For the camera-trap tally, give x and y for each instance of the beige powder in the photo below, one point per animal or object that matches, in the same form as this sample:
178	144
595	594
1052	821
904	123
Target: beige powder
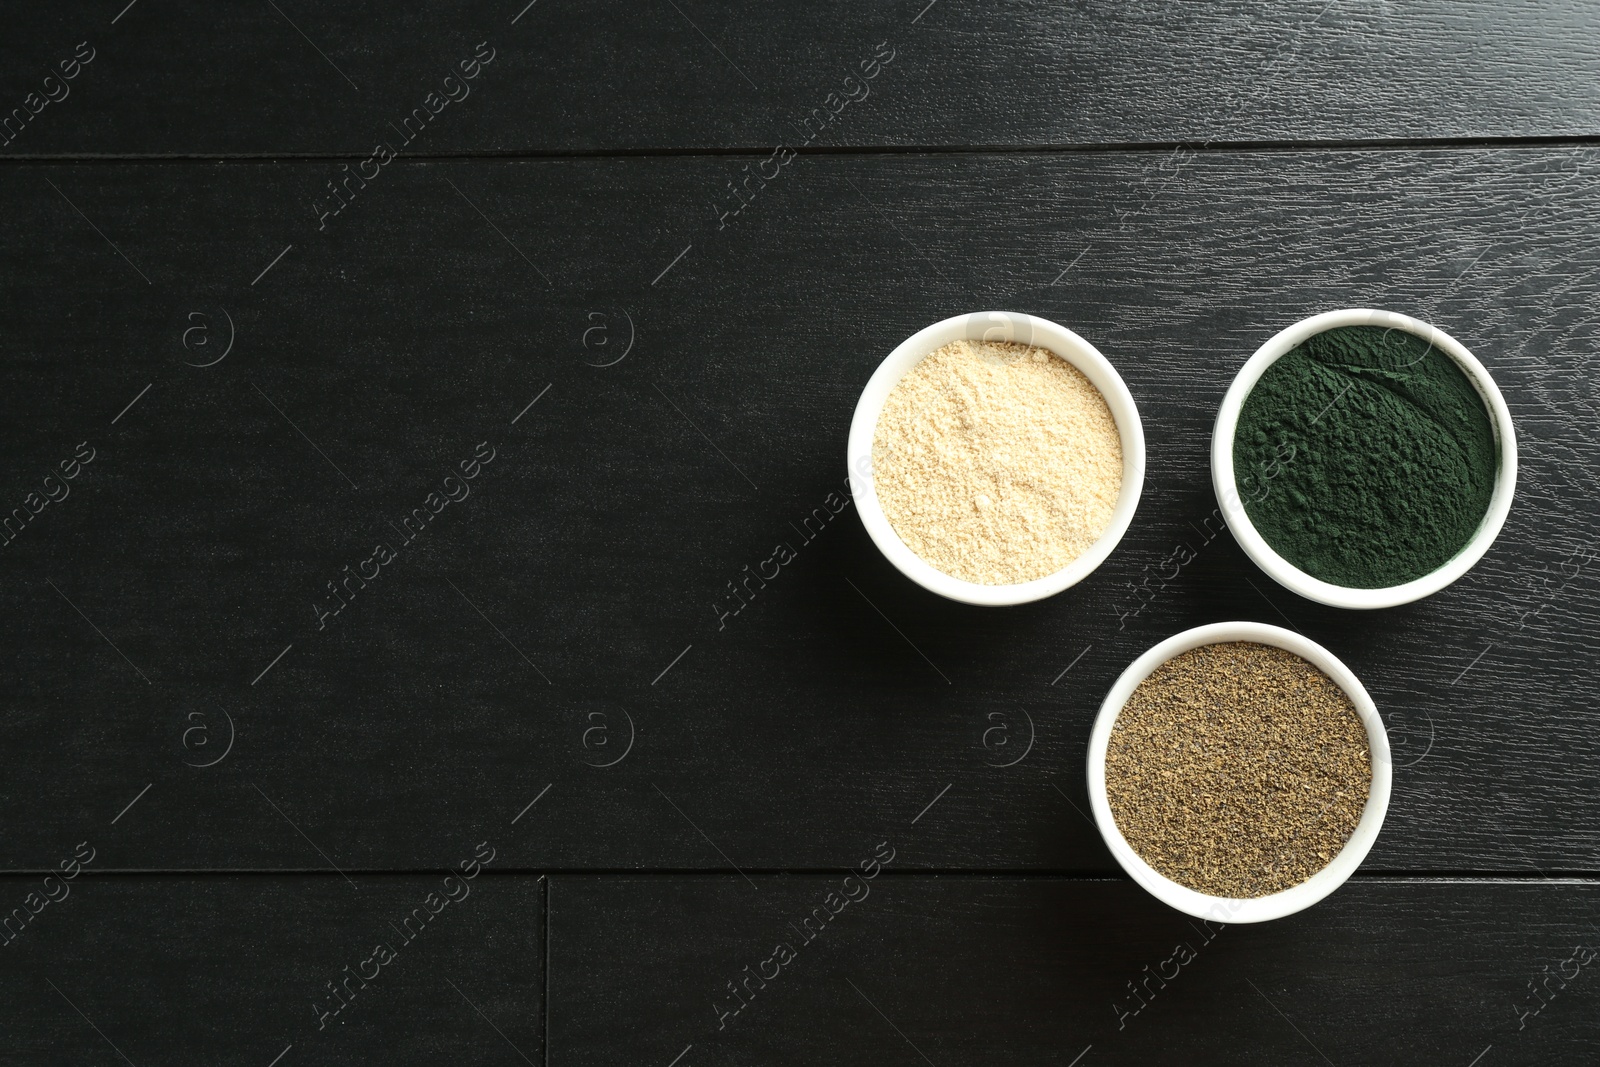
997	462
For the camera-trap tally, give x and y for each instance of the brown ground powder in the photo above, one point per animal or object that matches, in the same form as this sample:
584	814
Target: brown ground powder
1238	769
997	462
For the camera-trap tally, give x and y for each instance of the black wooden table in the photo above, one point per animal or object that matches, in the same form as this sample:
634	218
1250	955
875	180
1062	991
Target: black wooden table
393	398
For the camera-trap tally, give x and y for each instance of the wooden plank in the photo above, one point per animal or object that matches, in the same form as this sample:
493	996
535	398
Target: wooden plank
581	595
237	969
1043	970
186	78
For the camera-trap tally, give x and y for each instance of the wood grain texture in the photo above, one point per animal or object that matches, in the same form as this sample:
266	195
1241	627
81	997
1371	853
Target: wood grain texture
1038	970
354	511
578	586
190	78
173	969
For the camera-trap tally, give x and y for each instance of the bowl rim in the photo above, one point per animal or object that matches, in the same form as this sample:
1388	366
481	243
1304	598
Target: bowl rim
1285	901
1280	569
996	326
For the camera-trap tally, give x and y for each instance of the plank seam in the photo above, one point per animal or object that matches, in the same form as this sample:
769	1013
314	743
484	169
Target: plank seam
712	151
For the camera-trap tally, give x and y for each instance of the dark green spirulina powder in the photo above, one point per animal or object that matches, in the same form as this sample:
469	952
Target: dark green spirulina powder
1365	457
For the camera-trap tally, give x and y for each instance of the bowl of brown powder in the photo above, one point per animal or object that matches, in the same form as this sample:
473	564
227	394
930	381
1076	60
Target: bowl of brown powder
1239	772
996	458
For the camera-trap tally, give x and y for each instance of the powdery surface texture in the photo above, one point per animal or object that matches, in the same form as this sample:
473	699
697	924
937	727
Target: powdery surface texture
997	462
1238	769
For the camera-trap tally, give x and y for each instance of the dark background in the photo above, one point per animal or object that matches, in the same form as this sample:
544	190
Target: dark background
546	668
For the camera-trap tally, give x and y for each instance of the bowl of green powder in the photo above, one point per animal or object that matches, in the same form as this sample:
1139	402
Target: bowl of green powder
1239	772
1364	459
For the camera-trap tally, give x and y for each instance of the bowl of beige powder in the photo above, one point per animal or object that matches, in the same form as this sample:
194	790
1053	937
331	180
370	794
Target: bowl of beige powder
996	458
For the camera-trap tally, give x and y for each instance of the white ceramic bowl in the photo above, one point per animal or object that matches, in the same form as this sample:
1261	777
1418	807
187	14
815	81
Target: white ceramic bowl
994	326
1284	902
1287	574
